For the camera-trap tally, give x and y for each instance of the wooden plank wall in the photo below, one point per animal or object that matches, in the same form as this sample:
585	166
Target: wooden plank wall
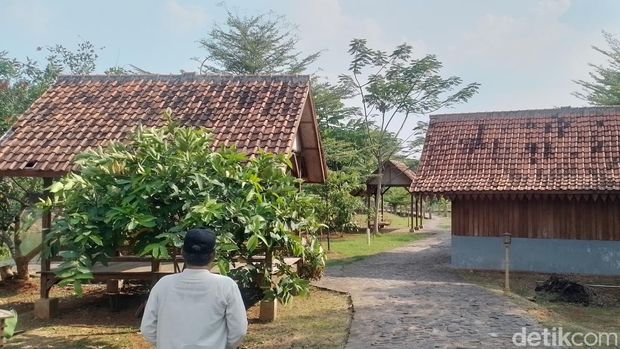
545	218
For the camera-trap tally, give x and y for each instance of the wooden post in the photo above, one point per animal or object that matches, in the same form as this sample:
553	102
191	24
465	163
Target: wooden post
421	213
507	243
44	307
46	223
367	207
411	215
417	213
368	215
268	308
4	315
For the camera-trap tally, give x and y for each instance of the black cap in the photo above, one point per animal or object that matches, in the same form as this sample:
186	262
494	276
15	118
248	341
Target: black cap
198	246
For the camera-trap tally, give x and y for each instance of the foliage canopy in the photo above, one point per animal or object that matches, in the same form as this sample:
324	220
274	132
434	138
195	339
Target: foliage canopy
143	195
393	87
604	87
260	44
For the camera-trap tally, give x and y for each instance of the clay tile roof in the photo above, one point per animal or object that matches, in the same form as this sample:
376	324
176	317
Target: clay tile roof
395	174
404	169
80	112
564	149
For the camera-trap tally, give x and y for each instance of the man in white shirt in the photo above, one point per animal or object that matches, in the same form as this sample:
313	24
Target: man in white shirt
195	309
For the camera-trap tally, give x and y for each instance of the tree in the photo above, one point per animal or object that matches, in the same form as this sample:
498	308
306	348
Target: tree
419	137
16	217
604	87
397	87
342	134
339	205
261	44
21	83
142	195
397	197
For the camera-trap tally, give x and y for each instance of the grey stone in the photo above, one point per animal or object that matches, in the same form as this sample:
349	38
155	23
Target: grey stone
411	298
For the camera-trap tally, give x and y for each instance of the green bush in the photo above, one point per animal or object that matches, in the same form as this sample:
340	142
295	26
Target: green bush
339	205
5	253
143	196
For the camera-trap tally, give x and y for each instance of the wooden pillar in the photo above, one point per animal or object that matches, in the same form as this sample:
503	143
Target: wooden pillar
46	223
411	215
417	213
4	315
421	212
268	309
367	207
44	307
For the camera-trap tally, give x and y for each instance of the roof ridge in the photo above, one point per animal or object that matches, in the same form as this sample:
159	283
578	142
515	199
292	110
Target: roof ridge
291	78
532	113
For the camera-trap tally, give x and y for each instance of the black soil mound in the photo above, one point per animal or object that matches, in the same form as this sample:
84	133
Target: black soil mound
561	289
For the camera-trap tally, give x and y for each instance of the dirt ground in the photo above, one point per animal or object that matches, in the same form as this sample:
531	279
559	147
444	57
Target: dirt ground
603	315
320	321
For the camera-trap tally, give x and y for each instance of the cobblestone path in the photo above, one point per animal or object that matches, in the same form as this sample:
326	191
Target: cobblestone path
410	298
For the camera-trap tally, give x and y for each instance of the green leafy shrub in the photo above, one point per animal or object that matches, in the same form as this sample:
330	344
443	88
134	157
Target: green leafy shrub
339	205
143	195
313	263
5	253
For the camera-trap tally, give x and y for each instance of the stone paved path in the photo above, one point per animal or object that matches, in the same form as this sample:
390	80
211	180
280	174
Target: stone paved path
410	298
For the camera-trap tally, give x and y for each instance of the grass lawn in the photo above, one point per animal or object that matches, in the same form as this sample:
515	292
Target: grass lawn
396	221
573	317
353	247
319	321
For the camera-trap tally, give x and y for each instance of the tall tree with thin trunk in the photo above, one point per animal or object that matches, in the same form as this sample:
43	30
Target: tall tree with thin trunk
261	44
394	87
604	86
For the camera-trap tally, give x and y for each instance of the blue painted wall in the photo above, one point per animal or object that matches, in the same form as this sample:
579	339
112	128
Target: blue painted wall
538	255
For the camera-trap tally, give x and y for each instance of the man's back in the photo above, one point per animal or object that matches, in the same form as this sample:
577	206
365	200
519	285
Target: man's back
194	310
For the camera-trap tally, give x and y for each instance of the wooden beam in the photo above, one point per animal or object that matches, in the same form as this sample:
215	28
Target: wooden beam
411	214
46	223
32	173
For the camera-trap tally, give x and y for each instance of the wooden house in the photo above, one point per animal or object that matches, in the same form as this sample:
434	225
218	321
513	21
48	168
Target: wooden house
273	114
550	178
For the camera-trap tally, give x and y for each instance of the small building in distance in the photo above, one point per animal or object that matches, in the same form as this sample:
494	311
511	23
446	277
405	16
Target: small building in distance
550	178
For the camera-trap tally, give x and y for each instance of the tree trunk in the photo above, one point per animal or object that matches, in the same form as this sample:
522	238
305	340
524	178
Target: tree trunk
21	264
378	195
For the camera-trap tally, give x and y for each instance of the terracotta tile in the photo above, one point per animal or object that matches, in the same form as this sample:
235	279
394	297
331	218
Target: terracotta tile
81	112
530	150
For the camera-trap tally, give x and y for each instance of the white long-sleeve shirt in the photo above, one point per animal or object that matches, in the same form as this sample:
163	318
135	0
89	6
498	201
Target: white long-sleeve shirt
194	309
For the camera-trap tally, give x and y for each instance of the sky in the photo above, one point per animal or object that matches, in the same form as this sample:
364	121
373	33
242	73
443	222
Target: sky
524	53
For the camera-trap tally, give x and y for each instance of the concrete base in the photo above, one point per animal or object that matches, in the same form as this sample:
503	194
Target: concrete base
562	256
45	308
268	311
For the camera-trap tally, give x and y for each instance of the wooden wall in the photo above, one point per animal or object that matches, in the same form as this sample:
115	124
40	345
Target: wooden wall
542	217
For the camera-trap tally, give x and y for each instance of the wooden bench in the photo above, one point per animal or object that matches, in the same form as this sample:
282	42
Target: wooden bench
381	225
4	315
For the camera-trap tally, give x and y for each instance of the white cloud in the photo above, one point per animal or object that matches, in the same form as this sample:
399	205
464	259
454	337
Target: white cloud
184	17
325	25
